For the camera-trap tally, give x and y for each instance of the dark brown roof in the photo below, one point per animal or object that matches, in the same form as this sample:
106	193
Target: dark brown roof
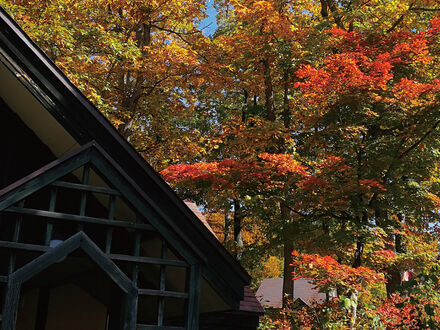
250	302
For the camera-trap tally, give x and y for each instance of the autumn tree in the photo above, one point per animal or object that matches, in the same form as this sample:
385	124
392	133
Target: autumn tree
350	90
316	121
133	60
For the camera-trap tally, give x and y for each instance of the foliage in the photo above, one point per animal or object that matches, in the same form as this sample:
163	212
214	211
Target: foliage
298	125
132	59
415	305
328	275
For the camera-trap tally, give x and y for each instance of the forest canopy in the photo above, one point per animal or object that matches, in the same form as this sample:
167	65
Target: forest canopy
308	132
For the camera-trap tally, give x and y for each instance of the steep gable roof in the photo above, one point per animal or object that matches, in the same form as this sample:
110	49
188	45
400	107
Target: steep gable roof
85	123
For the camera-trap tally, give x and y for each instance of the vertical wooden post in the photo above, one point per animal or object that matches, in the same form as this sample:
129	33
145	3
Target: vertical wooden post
161	301
17	227
11	266
49	225
111	215
15	238
111	207
132	301
136	252
193	303
130	311
85	180
10	309
108	240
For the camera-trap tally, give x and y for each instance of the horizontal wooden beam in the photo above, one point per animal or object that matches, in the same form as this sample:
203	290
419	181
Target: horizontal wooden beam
3	279
157	327
148	260
159	293
24	246
84	187
79	218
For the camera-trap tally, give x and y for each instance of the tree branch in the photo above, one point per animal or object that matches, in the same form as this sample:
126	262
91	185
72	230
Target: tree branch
424	9
407	151
399	20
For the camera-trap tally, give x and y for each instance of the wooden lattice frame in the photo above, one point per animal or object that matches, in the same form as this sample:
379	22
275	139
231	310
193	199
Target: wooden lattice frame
36	266
92	154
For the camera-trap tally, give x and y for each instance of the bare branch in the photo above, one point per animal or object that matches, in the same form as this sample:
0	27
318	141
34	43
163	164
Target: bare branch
399	20
424	136
424	9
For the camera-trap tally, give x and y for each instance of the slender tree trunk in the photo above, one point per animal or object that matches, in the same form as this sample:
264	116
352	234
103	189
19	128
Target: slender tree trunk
132	83
288	287
286	109
393	281
394	277
268	91
354	298
244	114
227	228
331	4
357	260
238	239
362	221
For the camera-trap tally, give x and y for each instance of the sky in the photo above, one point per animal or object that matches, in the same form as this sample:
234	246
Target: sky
209	23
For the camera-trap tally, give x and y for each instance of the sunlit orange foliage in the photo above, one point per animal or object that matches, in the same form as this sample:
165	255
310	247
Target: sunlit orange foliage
328	274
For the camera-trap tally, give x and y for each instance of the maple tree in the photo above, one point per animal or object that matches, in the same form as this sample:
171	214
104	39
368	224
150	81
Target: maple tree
358	301
298	125
132	59
365	106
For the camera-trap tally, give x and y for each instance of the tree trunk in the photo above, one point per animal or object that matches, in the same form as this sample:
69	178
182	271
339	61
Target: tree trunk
362	221
357	262
268	91
286	110
354	298
244	110
227	228
288	248
286	216
393	280
332	5
132	84
238	239
393	276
